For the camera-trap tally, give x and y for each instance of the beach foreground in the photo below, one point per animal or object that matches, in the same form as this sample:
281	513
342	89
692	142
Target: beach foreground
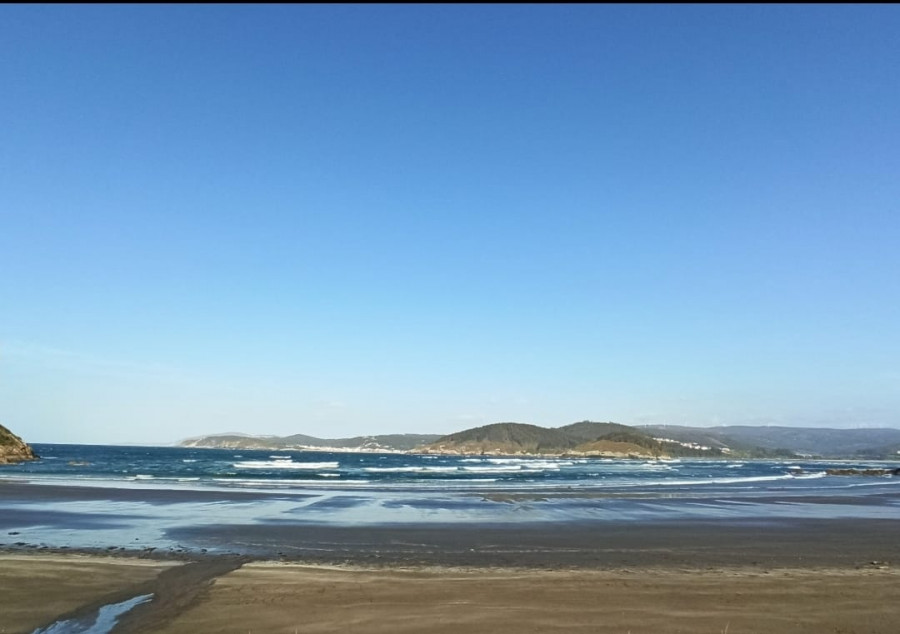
687	552
291	597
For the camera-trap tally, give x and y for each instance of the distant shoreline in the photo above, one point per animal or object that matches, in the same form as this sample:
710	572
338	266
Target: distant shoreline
598	439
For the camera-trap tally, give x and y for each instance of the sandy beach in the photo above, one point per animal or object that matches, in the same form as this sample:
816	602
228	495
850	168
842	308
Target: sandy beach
288	598
38	589
291	597
790	577
217	561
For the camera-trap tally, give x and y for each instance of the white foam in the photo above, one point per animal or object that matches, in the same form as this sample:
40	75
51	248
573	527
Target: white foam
284	464
411	469
548	464
536	463
281	483
505	460
733	480
656	466
494	469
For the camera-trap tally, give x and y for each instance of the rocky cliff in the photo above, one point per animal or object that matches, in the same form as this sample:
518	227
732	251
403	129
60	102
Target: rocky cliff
12	448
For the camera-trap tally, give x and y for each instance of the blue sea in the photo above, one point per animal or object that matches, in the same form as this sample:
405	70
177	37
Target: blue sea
176	467
92	496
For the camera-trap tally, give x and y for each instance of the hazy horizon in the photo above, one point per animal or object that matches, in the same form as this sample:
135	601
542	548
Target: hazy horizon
343	220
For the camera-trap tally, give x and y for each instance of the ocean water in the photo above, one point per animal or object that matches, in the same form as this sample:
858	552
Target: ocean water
180	468
159	497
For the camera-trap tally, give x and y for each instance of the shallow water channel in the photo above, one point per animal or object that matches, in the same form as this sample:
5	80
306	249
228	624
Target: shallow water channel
101	623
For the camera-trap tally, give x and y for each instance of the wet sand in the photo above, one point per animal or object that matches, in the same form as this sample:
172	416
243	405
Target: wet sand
37	589
212	596
17	491
763	574
771	543
290	598
776	577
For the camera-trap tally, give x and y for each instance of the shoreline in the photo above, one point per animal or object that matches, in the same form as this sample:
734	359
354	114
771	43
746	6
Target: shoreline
213	563
809	544
220	594
834	543
562	528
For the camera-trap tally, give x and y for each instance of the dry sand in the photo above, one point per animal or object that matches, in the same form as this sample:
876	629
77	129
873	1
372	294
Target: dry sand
294	598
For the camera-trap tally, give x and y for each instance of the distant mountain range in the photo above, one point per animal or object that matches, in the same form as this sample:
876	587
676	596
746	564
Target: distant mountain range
883	443
386	442
589	438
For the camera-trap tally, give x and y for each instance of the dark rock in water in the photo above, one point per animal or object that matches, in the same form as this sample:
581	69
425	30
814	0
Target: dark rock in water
863	472
13	449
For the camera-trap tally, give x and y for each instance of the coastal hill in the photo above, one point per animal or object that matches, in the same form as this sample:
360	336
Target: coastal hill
504	438
13	449
578	439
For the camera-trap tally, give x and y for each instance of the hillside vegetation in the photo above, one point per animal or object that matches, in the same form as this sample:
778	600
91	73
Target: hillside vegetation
585	438
504	438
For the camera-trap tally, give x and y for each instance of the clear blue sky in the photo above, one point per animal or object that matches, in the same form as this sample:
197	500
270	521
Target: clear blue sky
337	220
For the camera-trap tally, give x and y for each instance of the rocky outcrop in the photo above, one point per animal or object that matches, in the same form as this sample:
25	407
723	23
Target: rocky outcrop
13	449
863	472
